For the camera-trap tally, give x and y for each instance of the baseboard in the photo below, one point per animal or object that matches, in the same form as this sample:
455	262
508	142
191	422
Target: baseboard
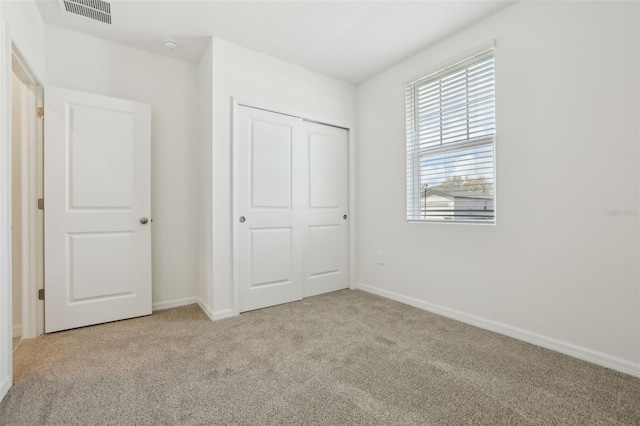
205	308
17	330
570	349
5	386
227	313
175	303
214	316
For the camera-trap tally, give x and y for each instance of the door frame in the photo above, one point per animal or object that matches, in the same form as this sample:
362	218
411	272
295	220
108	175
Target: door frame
236	103
31	189
10	58
6	328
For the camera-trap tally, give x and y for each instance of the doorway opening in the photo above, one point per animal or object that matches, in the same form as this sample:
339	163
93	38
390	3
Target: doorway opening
27	239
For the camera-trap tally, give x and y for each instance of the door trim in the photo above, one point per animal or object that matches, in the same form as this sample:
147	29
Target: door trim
236	103
6	328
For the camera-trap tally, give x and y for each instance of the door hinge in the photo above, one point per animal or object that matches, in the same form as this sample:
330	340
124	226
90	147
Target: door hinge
40	113
40	203
41	294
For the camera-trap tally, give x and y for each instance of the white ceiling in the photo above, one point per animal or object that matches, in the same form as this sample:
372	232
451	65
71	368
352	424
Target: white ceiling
350	40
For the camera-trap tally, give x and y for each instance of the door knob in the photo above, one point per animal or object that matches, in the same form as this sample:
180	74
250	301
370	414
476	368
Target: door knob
144	220
344	217
242	219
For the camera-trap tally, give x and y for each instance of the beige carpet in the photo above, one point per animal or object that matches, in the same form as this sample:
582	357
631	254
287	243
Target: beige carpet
343	358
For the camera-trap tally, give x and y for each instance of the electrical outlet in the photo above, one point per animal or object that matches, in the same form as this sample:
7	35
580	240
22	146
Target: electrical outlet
380	257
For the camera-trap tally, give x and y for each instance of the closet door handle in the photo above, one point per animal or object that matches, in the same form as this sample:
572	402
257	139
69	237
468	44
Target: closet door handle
242	219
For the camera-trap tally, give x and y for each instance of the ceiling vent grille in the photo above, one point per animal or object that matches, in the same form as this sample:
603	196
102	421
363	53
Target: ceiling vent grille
95	9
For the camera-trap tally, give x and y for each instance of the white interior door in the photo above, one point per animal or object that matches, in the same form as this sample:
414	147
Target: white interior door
269	186
326	218
291	196
97	201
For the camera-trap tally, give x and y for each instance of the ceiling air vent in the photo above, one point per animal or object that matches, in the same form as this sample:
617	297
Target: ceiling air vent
94	9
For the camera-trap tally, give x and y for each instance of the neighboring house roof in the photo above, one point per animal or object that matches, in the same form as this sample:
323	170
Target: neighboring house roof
452	192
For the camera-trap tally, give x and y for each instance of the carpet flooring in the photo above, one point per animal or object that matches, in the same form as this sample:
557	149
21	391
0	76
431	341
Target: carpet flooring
344	358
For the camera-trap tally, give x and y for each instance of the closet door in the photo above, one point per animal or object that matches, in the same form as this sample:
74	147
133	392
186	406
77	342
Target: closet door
291	198
326	212
270	190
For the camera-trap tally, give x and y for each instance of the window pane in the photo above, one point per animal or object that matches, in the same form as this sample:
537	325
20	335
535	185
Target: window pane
457	184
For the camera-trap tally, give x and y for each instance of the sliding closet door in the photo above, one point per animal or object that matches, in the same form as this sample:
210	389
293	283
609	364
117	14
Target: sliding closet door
327	233
269	190
291	202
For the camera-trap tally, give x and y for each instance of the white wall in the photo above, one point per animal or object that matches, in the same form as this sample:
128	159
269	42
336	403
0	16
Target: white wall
205	134
81	62
254	77
555	269
27	33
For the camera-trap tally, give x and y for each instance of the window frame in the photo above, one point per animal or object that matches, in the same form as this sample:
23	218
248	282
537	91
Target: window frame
413	155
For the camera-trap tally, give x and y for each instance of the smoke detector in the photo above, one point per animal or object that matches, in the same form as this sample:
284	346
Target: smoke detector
98	10
170	44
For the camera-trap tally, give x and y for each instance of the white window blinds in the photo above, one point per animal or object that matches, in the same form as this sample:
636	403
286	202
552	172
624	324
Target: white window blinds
450	143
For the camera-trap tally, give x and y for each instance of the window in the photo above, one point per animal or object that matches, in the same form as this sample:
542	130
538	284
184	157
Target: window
450	143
